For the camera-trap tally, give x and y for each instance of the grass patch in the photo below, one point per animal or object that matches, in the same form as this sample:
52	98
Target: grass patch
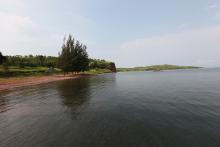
14	71
97	71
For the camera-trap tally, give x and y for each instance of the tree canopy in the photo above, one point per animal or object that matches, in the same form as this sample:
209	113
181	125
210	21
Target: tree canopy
32	61
73	57
101	64
2	58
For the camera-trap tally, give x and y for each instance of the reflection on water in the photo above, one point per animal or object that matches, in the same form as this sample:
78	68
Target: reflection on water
74	93
164	109
3	103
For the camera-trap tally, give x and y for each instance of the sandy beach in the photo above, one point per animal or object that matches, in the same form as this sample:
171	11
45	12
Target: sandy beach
12	83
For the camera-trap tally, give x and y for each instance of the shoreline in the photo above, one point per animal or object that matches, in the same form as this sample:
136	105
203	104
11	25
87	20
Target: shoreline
13	83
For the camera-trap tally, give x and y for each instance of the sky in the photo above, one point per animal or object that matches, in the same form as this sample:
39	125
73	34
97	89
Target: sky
128	32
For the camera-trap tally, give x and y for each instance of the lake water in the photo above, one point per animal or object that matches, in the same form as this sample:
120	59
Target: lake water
136	109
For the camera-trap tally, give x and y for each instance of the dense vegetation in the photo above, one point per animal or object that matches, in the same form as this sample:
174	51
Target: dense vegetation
156	68
2	58
32	61
73	58
101	64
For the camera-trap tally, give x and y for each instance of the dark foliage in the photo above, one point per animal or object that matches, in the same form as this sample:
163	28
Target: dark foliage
73	57
2	58
32	61
101	64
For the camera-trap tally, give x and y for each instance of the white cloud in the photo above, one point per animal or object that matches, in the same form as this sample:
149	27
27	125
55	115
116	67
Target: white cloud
10	3
183	26
198	46
14	28
217	16
12	23
20	35
213	6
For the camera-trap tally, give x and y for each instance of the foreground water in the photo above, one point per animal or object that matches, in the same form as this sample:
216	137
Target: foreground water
136	109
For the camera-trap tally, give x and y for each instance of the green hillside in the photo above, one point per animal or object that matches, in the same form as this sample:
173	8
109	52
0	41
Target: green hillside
156	68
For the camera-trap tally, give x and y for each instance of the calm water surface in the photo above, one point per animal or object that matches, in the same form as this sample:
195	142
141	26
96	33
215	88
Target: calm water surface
136	109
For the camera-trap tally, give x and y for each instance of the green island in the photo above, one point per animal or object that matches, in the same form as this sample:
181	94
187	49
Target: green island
156	68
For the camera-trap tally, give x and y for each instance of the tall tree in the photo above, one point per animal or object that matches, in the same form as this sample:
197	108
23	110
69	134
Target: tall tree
81	61
41	60
73	57
64	57
2	58
112	67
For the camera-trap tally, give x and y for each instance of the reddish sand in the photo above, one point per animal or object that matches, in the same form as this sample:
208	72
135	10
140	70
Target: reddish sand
11	83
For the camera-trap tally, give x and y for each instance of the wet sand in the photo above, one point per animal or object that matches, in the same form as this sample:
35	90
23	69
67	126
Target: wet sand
11	83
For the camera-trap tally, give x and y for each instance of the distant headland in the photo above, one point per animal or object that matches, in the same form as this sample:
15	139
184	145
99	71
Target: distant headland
157	68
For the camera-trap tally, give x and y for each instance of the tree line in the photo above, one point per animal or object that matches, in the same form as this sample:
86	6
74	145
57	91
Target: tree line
72	58
32	61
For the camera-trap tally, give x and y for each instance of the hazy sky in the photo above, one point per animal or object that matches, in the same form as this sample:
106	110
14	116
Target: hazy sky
129	32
